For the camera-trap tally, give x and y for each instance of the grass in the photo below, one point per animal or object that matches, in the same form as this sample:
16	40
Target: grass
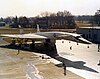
83	24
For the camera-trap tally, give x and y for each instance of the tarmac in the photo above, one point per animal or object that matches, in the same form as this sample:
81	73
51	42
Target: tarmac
82	62
30	65
81	59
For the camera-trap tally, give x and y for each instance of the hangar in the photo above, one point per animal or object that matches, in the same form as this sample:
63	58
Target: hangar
90	33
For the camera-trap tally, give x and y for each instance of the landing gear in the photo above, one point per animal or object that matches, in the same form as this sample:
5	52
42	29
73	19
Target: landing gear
47	47
50	47
32	45
13	42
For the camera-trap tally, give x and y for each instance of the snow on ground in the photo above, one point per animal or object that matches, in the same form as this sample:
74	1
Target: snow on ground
85	53
32	72
73	52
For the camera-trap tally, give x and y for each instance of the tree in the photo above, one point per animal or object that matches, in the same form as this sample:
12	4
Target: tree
97	17
15	22
1	19
60	14
23	21
45	14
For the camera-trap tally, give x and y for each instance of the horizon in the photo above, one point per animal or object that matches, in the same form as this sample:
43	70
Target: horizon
32	8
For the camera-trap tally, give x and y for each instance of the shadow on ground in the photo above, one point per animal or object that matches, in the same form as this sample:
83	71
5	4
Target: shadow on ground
53	54
50	51
74	64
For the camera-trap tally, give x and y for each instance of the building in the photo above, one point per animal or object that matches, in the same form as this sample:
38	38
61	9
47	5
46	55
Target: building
90	33
2	23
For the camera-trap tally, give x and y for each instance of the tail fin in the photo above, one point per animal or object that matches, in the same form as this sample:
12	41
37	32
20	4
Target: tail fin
20	29
38	29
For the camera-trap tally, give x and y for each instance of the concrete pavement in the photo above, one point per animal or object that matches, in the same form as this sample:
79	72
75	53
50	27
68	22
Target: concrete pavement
81	59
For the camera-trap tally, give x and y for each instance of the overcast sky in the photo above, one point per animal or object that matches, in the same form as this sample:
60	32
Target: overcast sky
35	7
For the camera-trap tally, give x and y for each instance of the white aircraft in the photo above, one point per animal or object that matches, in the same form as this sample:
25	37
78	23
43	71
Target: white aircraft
46	38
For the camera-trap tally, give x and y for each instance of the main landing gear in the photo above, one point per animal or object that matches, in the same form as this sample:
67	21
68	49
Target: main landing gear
50	47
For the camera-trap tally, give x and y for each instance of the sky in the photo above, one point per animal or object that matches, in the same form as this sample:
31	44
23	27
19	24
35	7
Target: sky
31	8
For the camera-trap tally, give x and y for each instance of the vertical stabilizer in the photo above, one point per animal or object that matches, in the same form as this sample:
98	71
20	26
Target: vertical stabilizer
20	29
38	30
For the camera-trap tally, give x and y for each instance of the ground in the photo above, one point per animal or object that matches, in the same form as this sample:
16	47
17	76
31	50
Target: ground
82	59
29	65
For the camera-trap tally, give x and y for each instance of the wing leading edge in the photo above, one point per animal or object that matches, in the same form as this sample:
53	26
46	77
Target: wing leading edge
22	36
49	35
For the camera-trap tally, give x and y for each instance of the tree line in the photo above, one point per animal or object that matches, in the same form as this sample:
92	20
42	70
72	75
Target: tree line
61	19
92	19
